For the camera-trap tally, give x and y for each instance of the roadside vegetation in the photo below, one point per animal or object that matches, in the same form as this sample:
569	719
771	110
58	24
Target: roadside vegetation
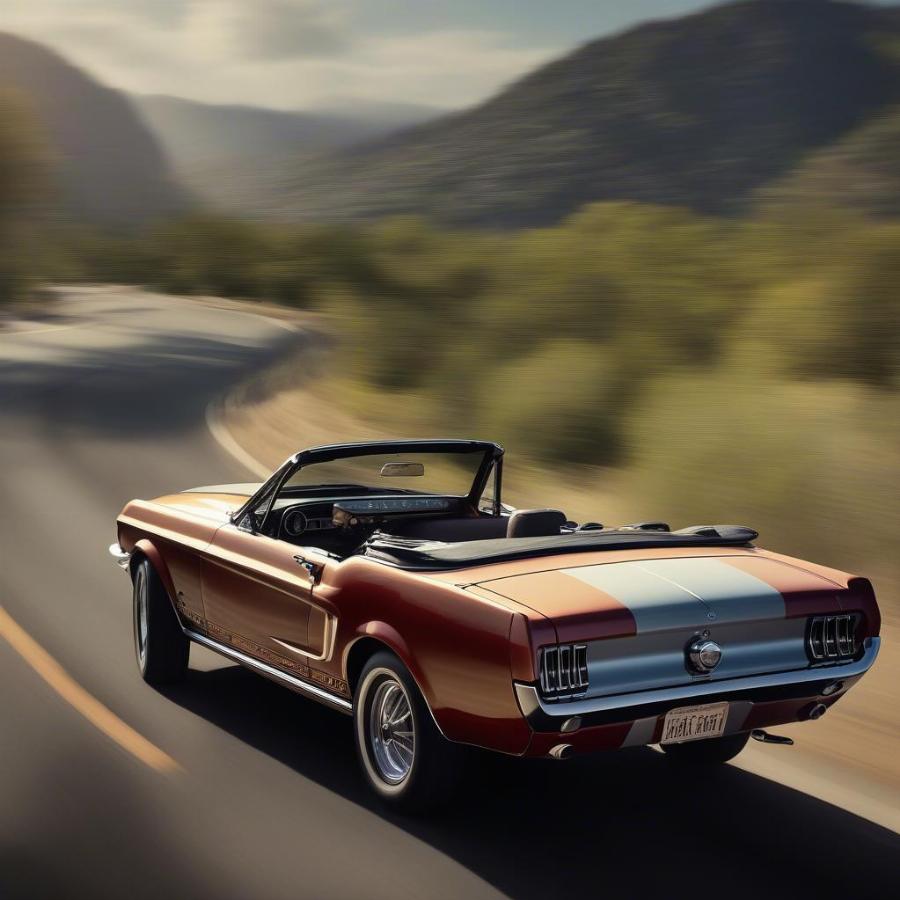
712	369
23	172
693	368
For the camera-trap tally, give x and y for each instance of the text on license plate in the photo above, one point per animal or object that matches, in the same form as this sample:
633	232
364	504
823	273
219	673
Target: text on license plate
693	723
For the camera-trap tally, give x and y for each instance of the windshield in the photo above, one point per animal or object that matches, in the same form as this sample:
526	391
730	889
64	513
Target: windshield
436	472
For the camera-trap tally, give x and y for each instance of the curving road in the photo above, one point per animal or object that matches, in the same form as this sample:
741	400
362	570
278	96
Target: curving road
103	401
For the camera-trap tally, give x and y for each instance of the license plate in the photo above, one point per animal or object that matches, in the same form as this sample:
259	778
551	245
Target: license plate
694	723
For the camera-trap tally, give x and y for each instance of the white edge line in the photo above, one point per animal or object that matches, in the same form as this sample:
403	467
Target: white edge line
215	421
15	332
226	441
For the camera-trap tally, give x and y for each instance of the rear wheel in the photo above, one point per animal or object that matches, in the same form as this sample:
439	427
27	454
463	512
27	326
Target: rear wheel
709	752
404	758
160	645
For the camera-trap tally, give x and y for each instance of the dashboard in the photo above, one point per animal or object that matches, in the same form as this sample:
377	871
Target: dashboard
310	519
297	521
354	512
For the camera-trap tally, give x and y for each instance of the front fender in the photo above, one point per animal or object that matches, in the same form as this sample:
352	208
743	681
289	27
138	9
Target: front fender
146	547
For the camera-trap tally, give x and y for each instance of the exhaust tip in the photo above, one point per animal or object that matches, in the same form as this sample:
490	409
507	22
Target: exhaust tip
817	711
562	751
764	737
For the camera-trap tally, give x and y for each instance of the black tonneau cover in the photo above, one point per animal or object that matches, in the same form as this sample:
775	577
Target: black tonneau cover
409	553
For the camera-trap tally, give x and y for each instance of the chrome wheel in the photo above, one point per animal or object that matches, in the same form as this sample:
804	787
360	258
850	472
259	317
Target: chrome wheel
141	601
392	731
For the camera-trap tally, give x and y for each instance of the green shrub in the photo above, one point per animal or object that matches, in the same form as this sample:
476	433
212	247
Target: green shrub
563	402
814	467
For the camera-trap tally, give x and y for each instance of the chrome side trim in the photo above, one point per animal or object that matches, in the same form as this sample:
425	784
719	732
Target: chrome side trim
122	557
330	630
535	708
302	687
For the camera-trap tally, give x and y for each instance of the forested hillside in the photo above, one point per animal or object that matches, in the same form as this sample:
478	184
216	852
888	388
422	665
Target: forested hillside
859	173
700	111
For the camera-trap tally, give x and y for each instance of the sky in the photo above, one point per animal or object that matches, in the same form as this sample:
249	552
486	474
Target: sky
307	54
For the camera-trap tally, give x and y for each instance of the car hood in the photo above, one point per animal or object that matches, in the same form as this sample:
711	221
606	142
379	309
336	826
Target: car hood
216	502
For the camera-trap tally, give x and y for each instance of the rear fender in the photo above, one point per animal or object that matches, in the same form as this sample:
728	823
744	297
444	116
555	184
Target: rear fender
393	641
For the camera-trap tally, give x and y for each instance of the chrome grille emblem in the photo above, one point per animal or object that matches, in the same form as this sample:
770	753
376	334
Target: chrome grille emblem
703	655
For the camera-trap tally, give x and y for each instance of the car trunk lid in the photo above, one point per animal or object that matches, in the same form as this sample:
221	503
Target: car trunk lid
753	606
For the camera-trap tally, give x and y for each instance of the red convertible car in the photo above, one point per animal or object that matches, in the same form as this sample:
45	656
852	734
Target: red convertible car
388	581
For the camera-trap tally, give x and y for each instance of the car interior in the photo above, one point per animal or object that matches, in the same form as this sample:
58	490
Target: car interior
420	528
342	528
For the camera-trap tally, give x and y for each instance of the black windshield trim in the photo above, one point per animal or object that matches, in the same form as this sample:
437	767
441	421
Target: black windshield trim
490	451
329	452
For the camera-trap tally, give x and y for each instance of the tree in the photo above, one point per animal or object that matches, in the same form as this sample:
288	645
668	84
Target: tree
23	169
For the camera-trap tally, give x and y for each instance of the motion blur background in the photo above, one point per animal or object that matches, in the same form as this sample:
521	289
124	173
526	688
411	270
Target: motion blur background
662	267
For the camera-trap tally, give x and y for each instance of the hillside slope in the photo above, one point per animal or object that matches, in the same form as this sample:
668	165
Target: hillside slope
861	172
110	169
699	111
196	134
236	156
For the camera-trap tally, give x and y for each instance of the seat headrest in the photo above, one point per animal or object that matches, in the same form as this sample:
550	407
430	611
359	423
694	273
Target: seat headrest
535	523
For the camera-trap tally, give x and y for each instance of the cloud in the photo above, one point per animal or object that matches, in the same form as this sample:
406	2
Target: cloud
163	13
282	29
280	53
266	30
447	68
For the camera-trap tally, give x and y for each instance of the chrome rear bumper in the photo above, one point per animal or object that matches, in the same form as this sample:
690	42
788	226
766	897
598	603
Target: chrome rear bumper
548	717
122	557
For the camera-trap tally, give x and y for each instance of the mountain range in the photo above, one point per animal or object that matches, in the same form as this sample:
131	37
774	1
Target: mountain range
768	102
199	134
227	154
701	111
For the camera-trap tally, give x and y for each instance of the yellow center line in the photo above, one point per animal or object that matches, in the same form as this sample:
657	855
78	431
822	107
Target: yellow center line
78	698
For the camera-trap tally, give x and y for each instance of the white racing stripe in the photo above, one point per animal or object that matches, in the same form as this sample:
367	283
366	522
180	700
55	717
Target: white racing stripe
732	594
684	593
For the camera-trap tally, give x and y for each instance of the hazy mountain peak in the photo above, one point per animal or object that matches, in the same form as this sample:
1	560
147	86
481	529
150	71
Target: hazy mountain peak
110	167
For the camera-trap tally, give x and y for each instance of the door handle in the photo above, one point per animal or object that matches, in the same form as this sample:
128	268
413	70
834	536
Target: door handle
313	571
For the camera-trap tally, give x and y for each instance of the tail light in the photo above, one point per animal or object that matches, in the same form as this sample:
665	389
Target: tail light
564	671
831	638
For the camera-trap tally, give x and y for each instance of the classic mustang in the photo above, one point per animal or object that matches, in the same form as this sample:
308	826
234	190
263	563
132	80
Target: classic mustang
387	580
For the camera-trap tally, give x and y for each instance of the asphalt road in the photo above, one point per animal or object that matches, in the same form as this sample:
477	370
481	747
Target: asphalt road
103	401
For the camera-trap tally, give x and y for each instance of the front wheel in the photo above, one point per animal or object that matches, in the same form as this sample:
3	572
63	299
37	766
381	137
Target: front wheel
160	645
404	758
709	752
